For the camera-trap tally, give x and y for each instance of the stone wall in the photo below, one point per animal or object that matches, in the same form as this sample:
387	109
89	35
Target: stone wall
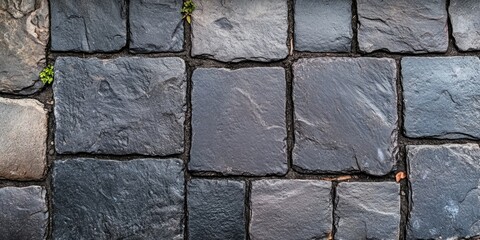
267	119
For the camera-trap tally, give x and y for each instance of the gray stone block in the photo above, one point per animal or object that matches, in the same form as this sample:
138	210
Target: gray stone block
323	25
233	31
402	26
216	209
120	106
345	115
238	121
290	209
88	26
156	26
465	23
441	96
367	210
104	199
445	197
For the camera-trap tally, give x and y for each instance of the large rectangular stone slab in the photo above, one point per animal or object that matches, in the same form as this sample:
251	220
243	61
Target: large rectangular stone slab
345	115
238	121
127	105
105	199
441	97
465	23
445	191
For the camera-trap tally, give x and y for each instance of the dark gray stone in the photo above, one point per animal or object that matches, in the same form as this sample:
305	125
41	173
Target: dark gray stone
367	210
120	106
290	209
23	39
238	121
465	23
345	115
216	209
156	26
445	197
23	213
104	199
88	26
233	31
402	26
323	25
441	96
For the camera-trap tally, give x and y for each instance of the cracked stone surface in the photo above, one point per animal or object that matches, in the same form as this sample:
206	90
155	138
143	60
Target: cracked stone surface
441	96
105	199
402	26
290	209
88	26
367	210
237	30
238	121
216	209
323	25
465	23
156	26
127	105
23	39
445	197
23	136
359	132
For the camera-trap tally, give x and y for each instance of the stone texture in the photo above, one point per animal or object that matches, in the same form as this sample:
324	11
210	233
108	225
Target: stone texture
238	121
290	209
23	136
465	23
120	106
445	197
23	39
345	115
236	30
216	209
104	199
323	25
367	210
441	96
402	26
23	213
88	26
156	26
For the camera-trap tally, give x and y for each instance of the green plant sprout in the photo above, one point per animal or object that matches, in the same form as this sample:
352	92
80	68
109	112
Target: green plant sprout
187	10
46	75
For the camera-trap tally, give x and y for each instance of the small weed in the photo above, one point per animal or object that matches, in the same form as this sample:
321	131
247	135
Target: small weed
46	75
187	10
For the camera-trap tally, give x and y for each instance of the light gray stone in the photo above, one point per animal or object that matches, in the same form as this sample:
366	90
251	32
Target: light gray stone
465	23
237	30
441	97
367	210
323	25
120	106
238	121
345	115
402	26
445	197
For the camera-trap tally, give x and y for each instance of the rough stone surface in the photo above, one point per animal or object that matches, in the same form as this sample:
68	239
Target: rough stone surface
156	26
216	209
88	26
290	209
345	115
402	26
441	96
120	106
238	121
445	197
104	199
237	30
23	38
465	23
23	136
23	213
323	25
367	210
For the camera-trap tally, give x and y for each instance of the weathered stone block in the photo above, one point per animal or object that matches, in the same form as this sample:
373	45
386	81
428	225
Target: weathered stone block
465	23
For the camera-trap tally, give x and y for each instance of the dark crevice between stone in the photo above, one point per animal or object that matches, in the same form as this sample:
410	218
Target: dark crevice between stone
452	47
248	212
355	23
334	208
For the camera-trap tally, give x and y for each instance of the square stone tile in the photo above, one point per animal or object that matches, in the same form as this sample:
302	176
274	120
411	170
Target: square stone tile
465	23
